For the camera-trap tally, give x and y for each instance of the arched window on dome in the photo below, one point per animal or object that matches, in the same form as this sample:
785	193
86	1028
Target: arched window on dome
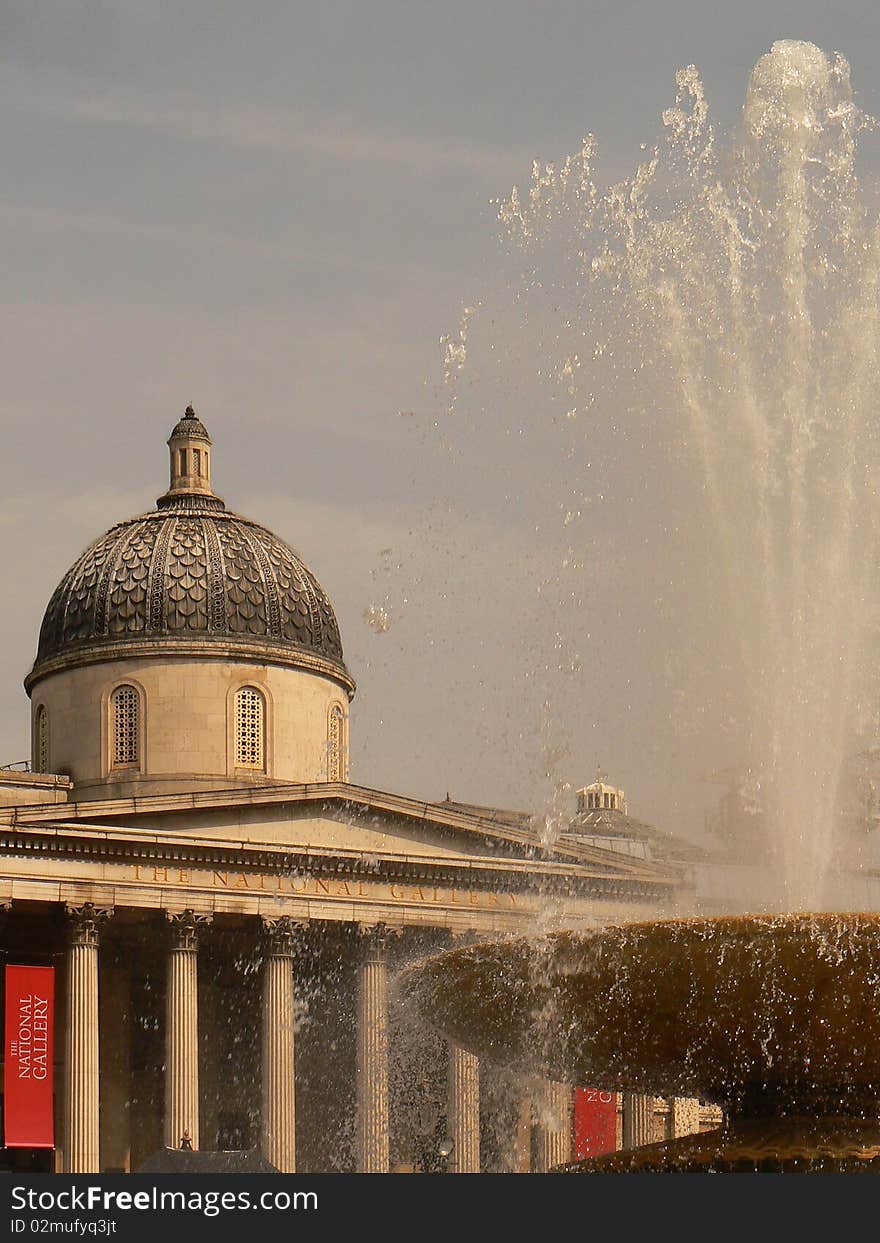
336	744
125	727
250	729
41	740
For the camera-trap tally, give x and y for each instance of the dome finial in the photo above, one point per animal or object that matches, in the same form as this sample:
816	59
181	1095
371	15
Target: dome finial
190	448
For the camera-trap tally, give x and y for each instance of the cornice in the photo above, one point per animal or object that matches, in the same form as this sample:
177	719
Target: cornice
252	650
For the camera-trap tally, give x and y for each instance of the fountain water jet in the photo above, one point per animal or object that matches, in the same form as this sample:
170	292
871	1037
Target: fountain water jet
741	287
725	298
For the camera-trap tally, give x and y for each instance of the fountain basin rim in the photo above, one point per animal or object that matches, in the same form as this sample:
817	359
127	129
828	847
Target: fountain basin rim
766	1014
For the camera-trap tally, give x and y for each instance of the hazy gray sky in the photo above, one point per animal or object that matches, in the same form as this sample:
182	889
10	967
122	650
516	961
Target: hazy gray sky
274	211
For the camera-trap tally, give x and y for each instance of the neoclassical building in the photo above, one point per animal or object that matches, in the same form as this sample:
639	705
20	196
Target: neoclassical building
226	911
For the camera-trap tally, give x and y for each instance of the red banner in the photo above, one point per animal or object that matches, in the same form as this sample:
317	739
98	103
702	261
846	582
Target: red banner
595	1123
28	1057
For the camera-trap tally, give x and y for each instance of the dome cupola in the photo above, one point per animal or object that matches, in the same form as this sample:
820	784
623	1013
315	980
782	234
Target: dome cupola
190	575
192	587
190	448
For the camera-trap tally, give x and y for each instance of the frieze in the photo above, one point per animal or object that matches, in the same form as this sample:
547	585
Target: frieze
302	895
58	851
307	886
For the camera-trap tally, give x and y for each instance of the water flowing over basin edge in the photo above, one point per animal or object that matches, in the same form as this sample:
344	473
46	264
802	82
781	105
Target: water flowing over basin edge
764	1014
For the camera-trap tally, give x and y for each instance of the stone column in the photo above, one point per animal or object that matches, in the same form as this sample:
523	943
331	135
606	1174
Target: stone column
638	1120
554	1126
81	1067
279	1104
372	1052
182	1031
684	1116
463	1111
521	1134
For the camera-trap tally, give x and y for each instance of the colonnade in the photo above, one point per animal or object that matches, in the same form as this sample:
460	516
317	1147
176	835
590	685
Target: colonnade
278	1112
278	1106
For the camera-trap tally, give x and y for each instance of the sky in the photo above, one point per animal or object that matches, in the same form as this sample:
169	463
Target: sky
275	212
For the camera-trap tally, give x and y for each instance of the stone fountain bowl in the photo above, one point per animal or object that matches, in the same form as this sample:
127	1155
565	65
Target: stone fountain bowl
775	1018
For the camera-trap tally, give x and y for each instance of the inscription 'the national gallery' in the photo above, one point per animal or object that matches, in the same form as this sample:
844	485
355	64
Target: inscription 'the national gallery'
307	886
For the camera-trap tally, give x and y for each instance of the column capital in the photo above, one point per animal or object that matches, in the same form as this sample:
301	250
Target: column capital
283	935
185	928
84	922
375	938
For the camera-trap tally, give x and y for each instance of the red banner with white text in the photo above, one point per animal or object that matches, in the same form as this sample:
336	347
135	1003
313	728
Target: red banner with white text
28	1057
595	1123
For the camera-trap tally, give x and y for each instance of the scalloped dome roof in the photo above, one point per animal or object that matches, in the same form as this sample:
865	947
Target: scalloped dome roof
190	578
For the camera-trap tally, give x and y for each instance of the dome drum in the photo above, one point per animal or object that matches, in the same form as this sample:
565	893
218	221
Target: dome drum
187	724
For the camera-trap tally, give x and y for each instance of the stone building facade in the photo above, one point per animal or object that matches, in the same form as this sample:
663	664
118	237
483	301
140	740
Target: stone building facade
227	911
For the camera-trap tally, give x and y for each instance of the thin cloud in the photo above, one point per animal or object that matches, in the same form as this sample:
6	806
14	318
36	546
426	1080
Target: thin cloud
101	224
189	119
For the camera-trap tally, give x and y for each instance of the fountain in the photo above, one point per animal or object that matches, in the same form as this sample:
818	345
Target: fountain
738	289
775	1018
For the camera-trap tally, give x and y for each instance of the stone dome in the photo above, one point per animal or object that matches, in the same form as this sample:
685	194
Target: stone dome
190	578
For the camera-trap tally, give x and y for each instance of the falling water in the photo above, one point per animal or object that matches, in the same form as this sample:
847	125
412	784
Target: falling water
732	282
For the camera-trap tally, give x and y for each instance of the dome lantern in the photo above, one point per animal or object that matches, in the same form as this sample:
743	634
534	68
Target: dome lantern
190	449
